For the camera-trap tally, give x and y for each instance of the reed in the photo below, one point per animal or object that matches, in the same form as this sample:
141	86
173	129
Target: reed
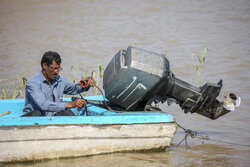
95	74
96	77
15	89
201	62
73	69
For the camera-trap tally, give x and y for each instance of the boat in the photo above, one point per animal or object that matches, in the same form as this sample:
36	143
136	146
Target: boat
133	80
97	131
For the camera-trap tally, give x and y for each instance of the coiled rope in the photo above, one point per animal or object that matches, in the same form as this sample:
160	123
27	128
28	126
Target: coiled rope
194	134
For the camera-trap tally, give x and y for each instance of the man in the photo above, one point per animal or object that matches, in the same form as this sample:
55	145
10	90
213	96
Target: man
44	91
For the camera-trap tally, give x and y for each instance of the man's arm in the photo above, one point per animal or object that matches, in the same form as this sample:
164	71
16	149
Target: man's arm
72	89
76	103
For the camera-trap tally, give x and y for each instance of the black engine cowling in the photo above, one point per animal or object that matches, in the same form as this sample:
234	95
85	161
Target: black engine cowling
136	77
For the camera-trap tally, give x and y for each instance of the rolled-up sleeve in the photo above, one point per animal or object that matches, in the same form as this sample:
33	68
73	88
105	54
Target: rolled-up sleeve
38	97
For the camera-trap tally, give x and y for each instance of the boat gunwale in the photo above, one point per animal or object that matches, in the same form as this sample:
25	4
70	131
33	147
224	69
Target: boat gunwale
9	127
98	116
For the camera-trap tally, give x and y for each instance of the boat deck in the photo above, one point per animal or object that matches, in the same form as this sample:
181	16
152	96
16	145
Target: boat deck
96	115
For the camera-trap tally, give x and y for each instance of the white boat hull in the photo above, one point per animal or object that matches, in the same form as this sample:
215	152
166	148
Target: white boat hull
37	142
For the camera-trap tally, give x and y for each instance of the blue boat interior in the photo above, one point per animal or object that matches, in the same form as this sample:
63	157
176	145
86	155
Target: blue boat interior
96	115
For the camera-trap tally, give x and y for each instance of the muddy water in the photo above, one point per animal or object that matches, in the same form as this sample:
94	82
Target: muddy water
88	33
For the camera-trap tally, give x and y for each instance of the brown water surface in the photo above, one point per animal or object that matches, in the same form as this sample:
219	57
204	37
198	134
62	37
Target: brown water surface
88	33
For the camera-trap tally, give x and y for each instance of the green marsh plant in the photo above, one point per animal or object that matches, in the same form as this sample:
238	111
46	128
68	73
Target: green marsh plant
95	74
201	62
96	77
15	89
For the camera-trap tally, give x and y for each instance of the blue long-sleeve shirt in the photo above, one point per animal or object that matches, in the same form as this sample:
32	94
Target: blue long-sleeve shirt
39	93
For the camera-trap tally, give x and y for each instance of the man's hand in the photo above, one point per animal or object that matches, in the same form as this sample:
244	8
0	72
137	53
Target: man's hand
89	82
76	103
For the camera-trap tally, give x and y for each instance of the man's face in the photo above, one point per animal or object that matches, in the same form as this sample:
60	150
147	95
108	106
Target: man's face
51	71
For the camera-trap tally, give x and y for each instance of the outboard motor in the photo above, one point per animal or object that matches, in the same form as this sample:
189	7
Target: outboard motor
135	78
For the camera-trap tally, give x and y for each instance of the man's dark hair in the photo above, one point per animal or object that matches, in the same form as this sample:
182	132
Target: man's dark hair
49	57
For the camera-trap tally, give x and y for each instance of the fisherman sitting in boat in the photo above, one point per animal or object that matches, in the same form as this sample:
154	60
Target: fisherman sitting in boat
44	91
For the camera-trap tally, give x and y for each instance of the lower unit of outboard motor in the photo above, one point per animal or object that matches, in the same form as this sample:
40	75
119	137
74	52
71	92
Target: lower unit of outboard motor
135	78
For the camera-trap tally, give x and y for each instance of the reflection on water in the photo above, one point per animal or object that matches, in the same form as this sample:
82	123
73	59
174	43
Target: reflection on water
207	155
88	33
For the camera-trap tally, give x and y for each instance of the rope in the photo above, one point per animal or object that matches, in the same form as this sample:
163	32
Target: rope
109	109
103	97
85	107
188	132
194	134
221	141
